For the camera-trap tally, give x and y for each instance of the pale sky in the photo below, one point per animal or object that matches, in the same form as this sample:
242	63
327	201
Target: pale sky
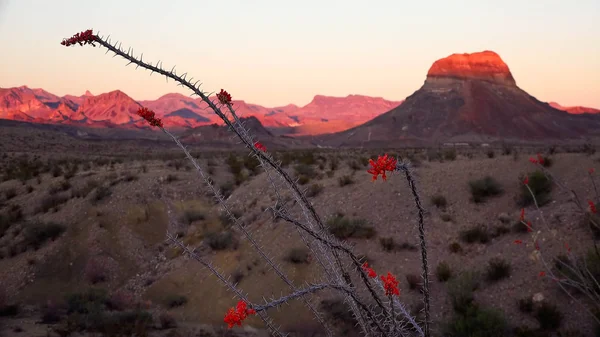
279	52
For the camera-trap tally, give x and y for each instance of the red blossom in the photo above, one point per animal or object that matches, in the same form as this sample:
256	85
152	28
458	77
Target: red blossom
390	284
224	97
542	274
518	242
260	147
567	247
150	117
86	37
591	170
592	207
540	159
369	270
529	227
537	245
533	160
522	217
526	180
383	163
238	315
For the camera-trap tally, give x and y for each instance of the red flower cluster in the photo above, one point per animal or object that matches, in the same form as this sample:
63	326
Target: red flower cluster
390	284
522	217
381	165
260	147
224	97
150	117
369	270
518	242
529	227
526	180
539	159
592	207
238	315
591	170
82	38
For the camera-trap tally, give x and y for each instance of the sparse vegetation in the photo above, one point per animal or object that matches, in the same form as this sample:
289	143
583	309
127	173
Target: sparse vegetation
475	234
345	180
299	255
344	228
443	272
439	201
482	189
497	269
540	185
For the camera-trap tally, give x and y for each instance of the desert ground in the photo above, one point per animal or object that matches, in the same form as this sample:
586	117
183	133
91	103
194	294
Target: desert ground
83	246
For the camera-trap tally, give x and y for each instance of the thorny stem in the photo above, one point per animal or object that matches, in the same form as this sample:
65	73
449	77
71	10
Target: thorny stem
264	158
404	167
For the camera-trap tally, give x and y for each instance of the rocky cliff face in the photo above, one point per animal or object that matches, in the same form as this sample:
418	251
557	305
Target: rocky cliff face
468	98
485	66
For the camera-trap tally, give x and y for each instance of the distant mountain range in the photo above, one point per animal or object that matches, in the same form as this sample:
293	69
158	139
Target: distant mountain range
465	97
324	114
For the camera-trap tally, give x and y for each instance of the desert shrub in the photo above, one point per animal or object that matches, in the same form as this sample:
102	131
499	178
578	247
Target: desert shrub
50	313
314	190
334	164
439	201
482	189
102	192
174	301
446	217
475	234
547	161
38	233
540	185
500	230
497	269
119	301
478	322
171	178
526	304
9	217
222	241
95	272
443	272
227	188
29	188
252	164
460	290
52	202
345	180
10	193
298	255
307	158
354	165
130	176
167	321
389	245
548	316
450	154
62	186
343	228
191	215
338	311
226	221
91	300
415	282
506	149
455	247
491	154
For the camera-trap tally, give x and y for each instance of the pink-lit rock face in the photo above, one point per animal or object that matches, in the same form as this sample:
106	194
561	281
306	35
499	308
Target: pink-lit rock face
486	65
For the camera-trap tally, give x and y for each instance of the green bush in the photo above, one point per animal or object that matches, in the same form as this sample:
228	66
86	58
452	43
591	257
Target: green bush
475	234
443	272
497	269
548	316
299	255
37	233
439	201
174	301
482	189
478	322
222	241
540	185
460	291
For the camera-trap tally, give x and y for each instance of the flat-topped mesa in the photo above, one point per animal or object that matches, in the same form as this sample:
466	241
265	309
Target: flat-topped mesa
485	65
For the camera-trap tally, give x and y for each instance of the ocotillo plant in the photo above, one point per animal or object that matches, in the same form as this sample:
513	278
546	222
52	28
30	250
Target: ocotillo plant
373	300
569	271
